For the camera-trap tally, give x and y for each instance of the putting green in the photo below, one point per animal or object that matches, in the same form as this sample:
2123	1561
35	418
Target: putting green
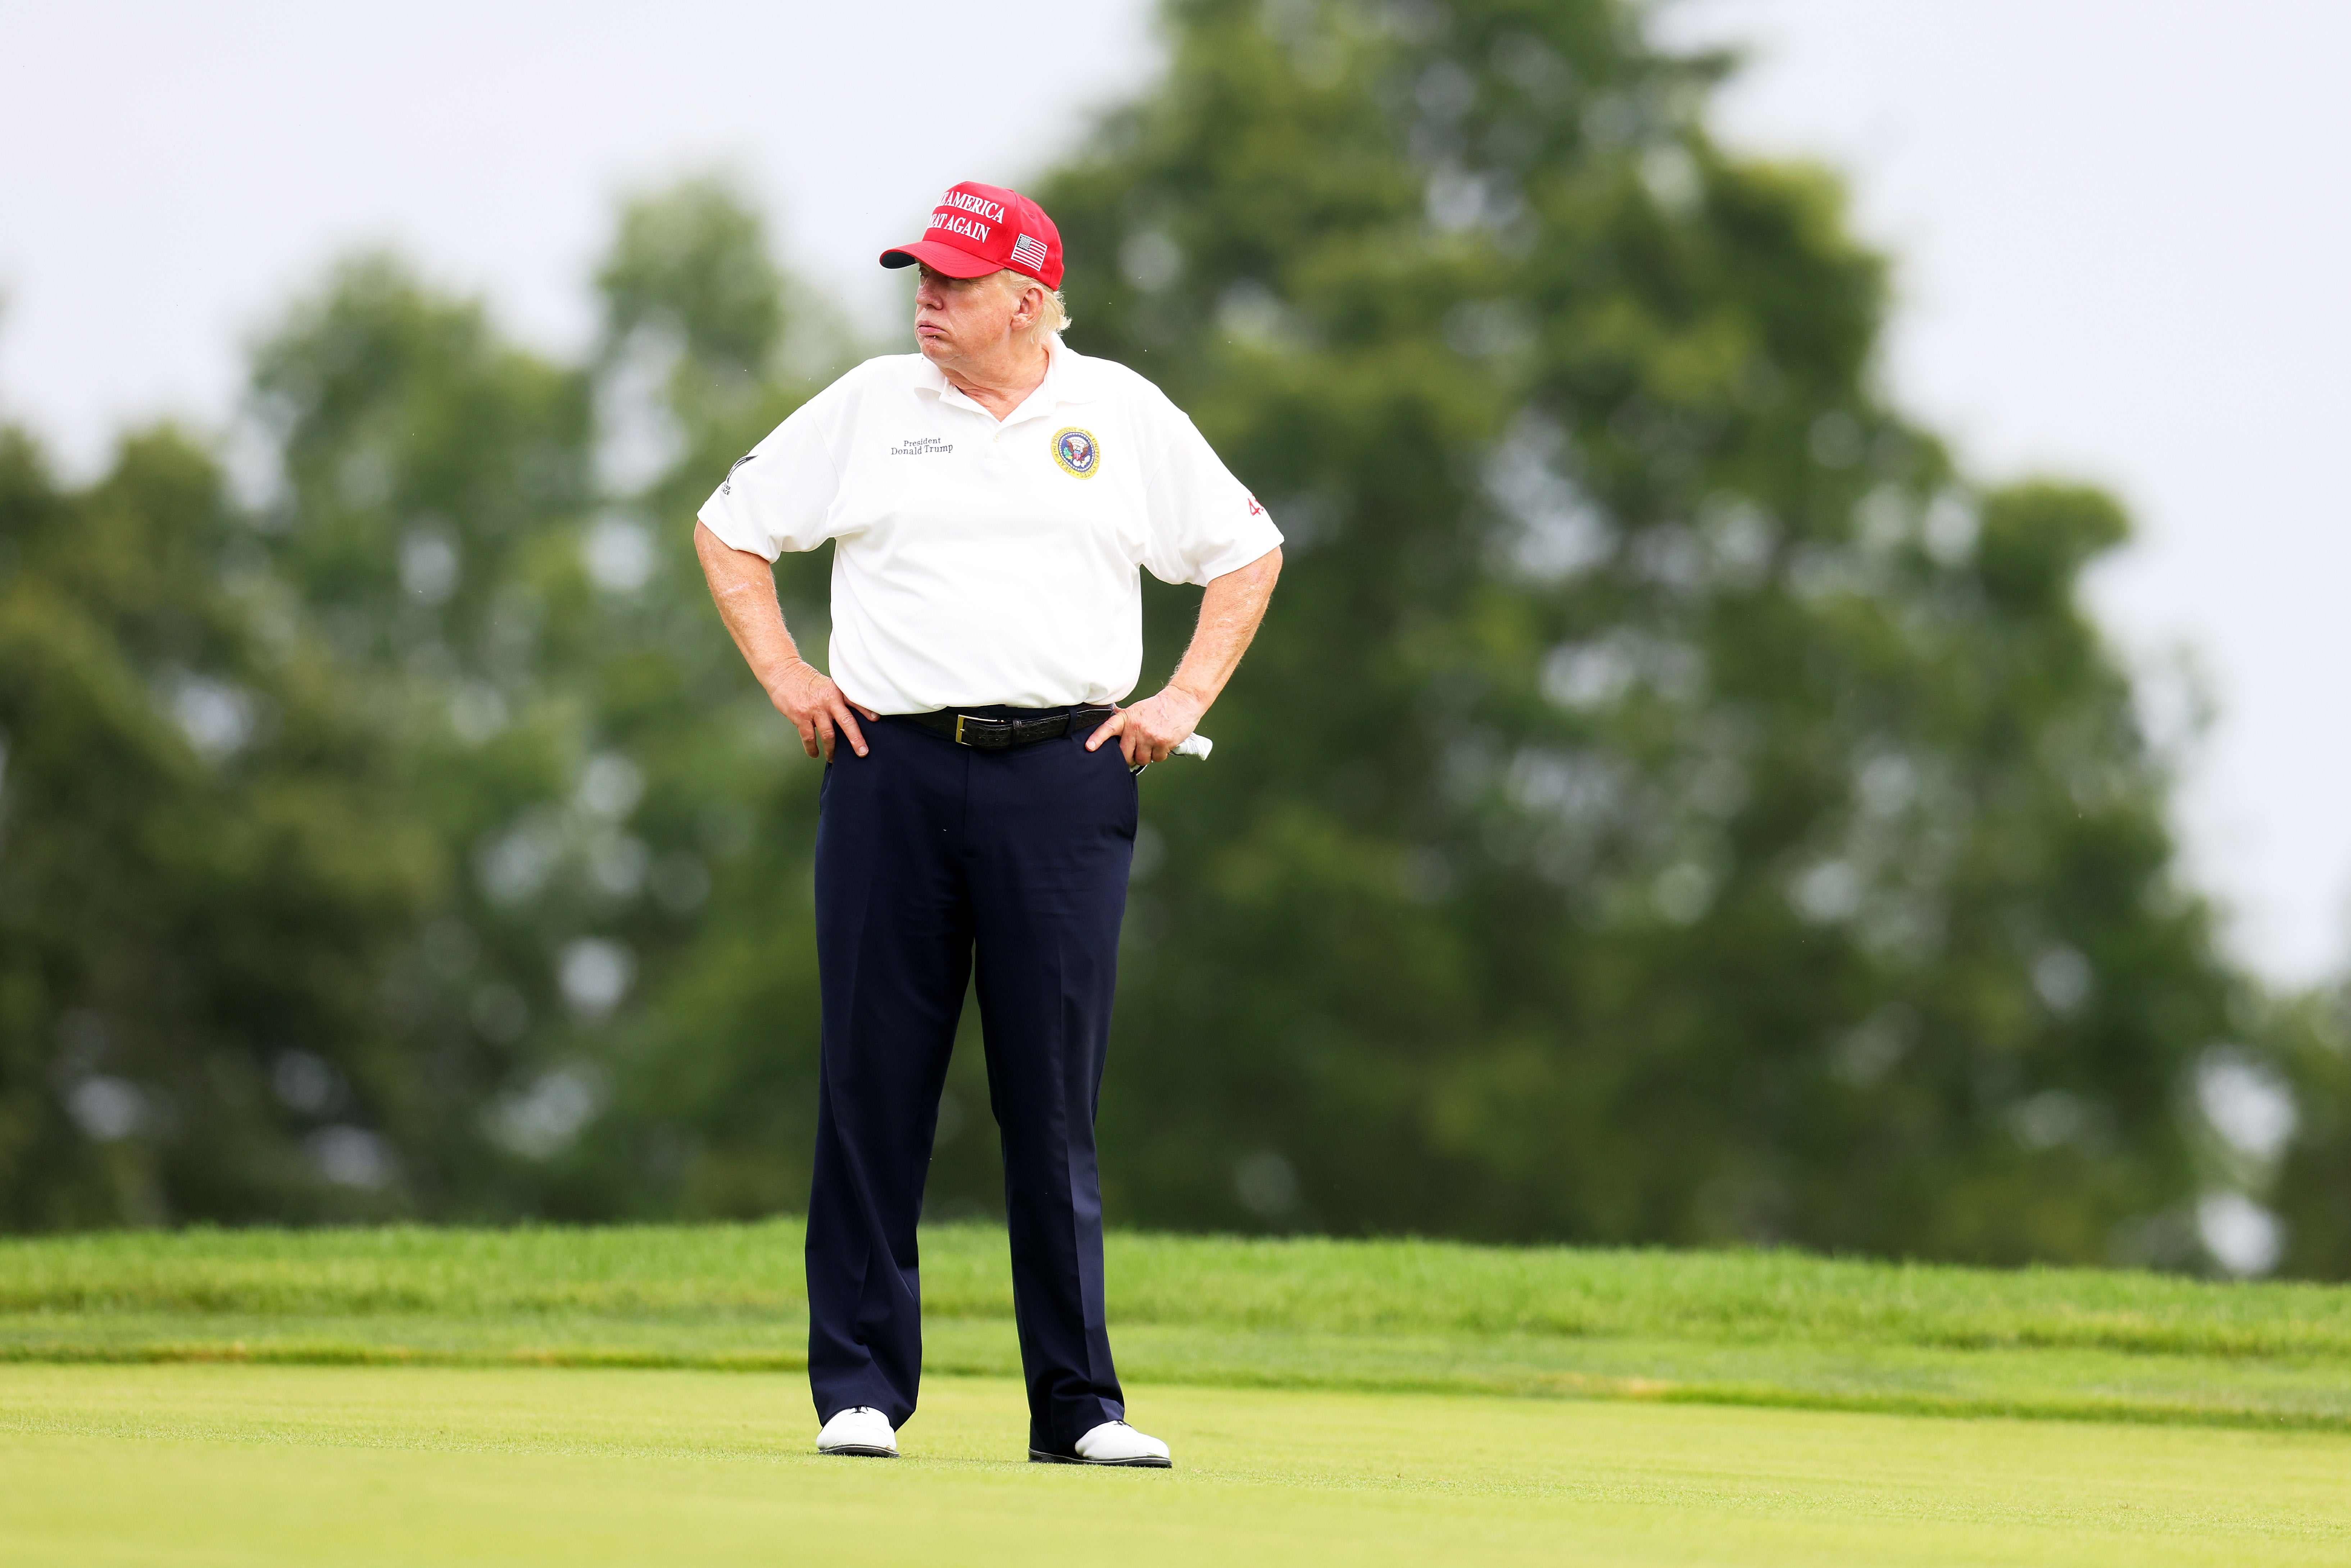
258	1465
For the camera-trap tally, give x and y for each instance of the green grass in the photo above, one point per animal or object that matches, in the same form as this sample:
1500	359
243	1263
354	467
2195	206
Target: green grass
630	1396
1733	1328
369	1465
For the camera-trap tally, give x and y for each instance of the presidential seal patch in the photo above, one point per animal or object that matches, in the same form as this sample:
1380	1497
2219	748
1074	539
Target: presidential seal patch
1075	451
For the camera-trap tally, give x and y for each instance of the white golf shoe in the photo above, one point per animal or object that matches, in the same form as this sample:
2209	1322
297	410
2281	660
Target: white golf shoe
1113	1443
860	1429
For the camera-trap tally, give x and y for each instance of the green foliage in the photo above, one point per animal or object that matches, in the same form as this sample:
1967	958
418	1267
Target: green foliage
368	844
584	743
1667	803
205	861
690	266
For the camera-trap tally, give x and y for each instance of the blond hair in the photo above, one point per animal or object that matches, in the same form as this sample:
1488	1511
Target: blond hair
1053	317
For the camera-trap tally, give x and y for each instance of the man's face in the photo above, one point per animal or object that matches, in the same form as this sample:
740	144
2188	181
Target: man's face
959	319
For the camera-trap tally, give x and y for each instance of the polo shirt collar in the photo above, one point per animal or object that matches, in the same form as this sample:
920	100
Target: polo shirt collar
1067	379
1069	375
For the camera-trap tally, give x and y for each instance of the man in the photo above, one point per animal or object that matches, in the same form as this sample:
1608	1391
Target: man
989	499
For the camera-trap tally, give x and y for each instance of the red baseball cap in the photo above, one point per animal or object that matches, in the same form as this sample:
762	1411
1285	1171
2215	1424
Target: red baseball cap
977	229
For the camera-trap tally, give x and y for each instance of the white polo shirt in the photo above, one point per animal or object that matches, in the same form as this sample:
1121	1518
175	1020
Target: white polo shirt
975	562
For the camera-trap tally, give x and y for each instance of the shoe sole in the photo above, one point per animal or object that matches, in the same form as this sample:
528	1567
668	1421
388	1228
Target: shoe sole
1039	1457
861	1451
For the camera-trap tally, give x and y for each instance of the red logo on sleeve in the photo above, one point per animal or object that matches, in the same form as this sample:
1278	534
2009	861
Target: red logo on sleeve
1255	510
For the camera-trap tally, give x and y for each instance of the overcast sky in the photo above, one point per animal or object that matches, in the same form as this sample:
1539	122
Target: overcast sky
2121	229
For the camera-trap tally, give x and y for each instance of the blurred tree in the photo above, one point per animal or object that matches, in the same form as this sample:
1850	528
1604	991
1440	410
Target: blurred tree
2277	1119
494	542
406	842
206	863
434	484
1665	804
705	347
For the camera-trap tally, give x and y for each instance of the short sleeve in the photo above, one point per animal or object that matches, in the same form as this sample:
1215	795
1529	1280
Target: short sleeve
778	496
1199	521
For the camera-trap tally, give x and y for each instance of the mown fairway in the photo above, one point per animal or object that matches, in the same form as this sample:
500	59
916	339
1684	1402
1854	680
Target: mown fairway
222	1397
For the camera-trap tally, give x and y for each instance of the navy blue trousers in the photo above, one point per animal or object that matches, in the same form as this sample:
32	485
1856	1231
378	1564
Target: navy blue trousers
929	855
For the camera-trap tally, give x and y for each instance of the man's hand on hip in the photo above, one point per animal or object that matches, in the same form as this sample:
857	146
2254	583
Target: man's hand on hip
1152	728
806	696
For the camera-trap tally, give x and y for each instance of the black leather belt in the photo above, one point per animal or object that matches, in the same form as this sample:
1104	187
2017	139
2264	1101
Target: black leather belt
1000	734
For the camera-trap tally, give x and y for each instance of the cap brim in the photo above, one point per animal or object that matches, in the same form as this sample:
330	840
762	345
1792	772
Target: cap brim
940	257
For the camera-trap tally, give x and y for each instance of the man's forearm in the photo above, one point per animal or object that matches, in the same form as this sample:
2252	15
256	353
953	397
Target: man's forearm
1230	613
744	587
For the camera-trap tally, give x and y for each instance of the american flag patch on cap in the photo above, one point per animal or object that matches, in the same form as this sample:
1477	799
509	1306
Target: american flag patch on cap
1028	252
